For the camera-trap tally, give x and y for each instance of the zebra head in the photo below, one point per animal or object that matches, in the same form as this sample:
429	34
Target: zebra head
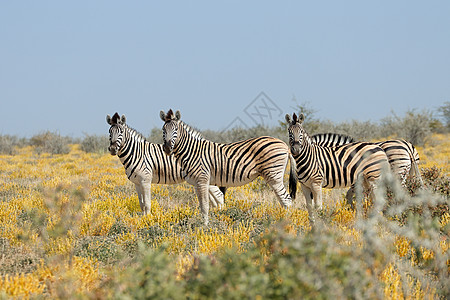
170	129
115	132
296	132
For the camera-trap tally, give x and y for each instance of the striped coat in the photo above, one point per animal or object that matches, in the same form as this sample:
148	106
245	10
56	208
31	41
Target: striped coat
235	164
402	155
146	163
331	167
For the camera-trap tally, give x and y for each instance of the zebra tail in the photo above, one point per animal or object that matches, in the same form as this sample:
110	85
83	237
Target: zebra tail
414	171
223	189
292	177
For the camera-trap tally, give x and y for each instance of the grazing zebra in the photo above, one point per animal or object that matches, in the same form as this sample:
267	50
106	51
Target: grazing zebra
226	165
331	167
402	155
145	163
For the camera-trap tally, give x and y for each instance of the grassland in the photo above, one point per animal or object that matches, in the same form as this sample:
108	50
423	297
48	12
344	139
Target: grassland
70	227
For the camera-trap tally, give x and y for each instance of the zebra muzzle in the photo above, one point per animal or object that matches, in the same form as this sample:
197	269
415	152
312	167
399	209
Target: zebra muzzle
112	149
295	148
167	149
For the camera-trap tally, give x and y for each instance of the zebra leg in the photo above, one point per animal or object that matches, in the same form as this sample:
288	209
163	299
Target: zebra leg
212	200
369	187
349	196
406	169
317	195
216	197
405	174
278	187
147	201
309	196
140	195
201	188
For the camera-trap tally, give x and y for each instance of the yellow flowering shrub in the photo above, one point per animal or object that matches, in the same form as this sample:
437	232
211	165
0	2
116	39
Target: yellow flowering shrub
21	285
77	219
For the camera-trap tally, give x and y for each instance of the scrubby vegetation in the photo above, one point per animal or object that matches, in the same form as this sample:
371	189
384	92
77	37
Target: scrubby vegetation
70	227
414	126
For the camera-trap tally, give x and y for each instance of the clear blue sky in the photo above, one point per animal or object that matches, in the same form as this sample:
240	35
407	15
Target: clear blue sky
64	66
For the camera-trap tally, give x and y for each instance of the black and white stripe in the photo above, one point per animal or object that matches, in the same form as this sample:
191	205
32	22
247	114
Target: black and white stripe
331	167
331	139
234	164
402	155
146	163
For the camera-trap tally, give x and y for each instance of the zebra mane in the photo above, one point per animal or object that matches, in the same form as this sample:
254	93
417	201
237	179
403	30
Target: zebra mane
136	133
331	139
115	118
192	131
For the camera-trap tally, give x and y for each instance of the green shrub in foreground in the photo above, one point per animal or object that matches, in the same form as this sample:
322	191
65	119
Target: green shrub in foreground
277	266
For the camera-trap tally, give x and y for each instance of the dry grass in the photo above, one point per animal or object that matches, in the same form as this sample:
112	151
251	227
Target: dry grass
70	226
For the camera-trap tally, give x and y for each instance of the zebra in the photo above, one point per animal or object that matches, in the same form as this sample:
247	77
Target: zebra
145	163
331	167
402	155
206	162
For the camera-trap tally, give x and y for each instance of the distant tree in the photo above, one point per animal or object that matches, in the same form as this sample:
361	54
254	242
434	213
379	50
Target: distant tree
414	126
50	142
311	123
94	143
155	136
445	111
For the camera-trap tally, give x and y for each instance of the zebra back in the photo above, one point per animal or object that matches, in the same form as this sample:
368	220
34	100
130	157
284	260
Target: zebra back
402	145
403	157
331	139
230	164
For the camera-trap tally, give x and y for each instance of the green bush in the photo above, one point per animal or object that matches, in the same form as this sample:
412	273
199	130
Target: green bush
444	110
282	266
150	275
155	136
95	143
50	142
237	134
414	127
8	144
103	249
435	180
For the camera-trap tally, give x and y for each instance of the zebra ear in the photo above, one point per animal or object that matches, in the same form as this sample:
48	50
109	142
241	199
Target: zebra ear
177	115
162	115
288	118
301	117
123	120
108	119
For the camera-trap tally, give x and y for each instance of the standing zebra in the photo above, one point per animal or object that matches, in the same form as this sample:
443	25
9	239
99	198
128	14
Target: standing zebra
234	164
331	167
402	155
145	163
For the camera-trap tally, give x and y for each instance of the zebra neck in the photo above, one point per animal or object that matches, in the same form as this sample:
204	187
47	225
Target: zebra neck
185	141
194	133
307	146
132	141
